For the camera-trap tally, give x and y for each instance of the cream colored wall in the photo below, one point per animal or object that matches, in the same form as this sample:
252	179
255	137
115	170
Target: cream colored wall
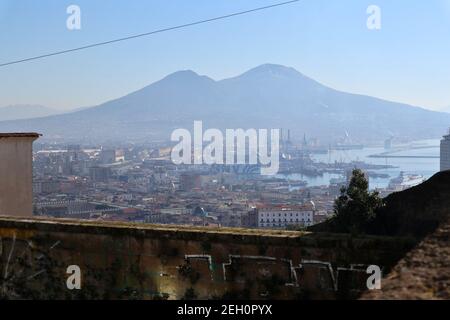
16	176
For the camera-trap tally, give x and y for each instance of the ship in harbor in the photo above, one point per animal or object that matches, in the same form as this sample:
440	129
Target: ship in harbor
405	181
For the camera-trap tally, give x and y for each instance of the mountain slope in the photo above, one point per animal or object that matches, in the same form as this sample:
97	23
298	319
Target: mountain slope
267	96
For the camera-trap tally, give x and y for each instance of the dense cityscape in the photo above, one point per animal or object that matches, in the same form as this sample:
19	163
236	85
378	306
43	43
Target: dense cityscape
142	184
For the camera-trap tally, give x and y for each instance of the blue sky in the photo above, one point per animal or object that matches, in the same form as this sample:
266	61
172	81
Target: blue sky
406	61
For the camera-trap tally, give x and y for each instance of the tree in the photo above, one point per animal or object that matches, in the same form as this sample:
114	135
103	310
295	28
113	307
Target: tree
356	207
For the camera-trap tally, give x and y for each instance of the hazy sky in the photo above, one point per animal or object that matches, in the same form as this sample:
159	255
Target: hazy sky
328	40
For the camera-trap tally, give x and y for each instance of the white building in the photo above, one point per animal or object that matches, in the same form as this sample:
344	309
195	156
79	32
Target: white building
445	153
283	217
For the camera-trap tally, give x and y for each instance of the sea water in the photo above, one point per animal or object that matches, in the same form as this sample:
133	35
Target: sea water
426	167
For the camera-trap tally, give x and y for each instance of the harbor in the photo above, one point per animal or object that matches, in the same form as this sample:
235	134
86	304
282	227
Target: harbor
416	158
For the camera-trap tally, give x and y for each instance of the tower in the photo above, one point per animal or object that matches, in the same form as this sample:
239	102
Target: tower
16	172
445	152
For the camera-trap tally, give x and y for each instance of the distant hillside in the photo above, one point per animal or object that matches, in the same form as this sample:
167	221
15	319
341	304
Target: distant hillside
18	112
269	96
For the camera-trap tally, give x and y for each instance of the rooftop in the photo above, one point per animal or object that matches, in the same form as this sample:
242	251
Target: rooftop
20	135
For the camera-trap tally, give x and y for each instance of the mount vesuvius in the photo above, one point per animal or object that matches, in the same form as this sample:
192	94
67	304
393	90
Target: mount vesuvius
268	96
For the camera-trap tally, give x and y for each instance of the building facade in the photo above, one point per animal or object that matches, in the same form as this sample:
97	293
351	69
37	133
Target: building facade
16	173
445	153
110	156
100	173
284	217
